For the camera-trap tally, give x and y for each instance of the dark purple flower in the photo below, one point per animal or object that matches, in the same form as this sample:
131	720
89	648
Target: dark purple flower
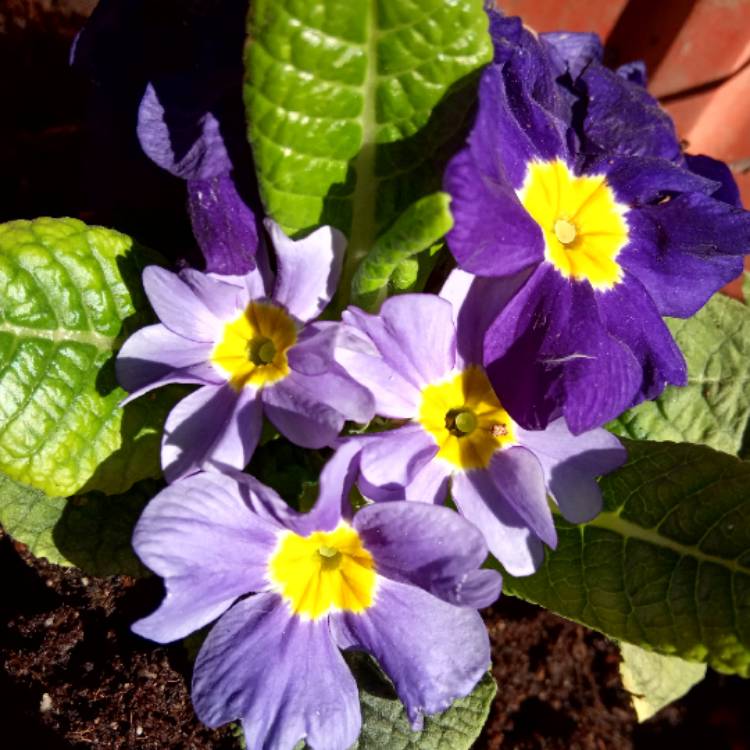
400	581
182	95
248	341
613	241
421	359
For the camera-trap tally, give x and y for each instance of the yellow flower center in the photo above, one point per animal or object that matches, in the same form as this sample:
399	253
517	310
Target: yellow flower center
584	226
323	572
466	419
252	349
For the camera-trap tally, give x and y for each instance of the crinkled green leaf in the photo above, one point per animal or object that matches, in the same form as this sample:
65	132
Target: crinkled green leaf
384	722
714	408
353	106
654	680
746	287
69	296
666	565
90	531
419	227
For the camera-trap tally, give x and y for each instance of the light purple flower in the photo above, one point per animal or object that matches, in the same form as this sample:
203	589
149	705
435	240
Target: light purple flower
421	360
399	580
249	343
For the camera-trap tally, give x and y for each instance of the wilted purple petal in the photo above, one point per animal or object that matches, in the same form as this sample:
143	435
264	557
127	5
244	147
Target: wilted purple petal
224	224
192	148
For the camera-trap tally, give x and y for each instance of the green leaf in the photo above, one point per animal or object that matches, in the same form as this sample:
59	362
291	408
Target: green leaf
353	106
419	227
666	565
655	680
714	408
746	287
69	295
90	531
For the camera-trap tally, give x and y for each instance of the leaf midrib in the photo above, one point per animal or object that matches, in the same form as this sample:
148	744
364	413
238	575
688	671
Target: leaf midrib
62	335
363	199
613	522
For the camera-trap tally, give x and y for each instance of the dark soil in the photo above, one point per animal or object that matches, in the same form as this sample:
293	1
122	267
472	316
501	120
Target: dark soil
73	676
71	673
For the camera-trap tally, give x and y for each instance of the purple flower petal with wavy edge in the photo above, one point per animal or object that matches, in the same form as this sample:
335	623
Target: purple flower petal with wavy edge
154	356
476	304
508	536
178	307
413	636
216	423
193	148
433	550
572	51
519	480
223	299
395	396
313	354
283	678
571	464
336	389
506	33
299	415
522	55
622	117
550	347
502	241
685	249
224	225
308	269
421	352
630	316
716	171
201	518
637	180
430	483
393	458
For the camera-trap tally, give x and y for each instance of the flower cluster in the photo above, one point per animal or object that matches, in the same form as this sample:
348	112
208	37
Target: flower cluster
574	234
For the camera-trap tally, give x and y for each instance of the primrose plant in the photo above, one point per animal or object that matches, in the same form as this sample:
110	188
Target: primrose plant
456	328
